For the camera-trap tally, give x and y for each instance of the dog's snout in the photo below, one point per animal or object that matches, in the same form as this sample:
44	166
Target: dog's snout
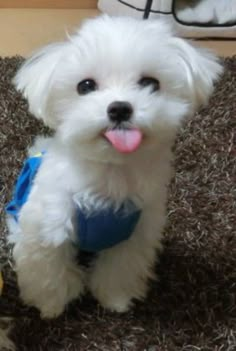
119	111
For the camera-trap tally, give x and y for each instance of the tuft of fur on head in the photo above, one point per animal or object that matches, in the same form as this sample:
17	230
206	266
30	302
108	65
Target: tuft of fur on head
117	53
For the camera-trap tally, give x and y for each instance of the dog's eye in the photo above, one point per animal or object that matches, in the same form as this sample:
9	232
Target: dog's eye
86	86
148	81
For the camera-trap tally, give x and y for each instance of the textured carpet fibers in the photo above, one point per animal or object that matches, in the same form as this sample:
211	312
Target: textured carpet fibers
193	305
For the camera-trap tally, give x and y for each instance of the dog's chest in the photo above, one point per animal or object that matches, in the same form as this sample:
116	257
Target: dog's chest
115	183
106	211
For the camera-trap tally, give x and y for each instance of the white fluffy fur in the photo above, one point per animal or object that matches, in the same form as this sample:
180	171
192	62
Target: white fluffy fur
80	166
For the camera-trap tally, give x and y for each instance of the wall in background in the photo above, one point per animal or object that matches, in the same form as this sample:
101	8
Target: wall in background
59	4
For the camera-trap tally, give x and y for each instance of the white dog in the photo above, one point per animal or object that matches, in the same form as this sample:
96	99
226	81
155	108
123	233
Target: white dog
115	94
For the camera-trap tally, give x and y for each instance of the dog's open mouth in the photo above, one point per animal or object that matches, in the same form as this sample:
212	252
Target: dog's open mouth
124	140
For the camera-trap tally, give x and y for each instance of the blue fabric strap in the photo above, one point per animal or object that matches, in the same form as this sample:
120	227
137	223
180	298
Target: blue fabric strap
23	185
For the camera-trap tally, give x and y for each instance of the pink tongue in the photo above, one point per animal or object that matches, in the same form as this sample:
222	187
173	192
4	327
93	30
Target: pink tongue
124	140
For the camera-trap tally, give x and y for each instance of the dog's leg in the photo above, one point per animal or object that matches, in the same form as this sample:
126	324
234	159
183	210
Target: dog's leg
121	273
48	275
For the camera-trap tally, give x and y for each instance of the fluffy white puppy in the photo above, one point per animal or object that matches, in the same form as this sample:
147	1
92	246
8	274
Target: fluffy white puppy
115	94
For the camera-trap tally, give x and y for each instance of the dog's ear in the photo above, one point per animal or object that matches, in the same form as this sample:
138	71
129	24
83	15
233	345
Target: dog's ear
34	79
200	68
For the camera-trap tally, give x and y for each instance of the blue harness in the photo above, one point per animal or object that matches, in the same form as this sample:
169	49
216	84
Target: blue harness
94	232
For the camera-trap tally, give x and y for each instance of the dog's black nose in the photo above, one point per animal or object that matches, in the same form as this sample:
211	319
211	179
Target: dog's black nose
119	111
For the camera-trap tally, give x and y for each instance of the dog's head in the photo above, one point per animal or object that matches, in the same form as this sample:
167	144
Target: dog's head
117	86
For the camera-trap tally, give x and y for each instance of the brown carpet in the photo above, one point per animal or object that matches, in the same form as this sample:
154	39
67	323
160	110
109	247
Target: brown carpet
193	305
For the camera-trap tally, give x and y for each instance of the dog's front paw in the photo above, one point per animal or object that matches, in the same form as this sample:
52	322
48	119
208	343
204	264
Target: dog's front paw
120	304
51	294
50	311
52	299
111	299
49	306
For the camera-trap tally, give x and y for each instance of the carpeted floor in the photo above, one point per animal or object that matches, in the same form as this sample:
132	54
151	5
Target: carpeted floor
193	305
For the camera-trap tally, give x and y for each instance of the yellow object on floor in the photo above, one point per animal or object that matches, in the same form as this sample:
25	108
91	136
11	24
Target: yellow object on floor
1	282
